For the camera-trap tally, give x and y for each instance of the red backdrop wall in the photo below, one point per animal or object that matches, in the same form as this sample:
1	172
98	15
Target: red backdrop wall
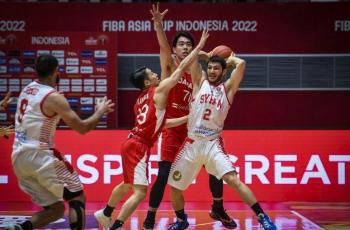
279	165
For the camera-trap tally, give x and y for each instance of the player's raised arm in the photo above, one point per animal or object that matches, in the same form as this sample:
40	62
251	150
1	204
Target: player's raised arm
162	91
58	104
166	61
232	84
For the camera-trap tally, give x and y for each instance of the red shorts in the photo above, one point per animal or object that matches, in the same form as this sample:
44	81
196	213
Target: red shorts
135	156
171	142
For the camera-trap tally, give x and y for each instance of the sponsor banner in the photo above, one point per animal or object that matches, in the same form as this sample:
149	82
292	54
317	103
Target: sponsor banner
309	165
86	69
247	28
3	88
86	101
58	53
79	53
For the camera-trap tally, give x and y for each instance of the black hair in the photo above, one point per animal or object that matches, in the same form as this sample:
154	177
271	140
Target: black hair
45	65
218	59
138	77
183	34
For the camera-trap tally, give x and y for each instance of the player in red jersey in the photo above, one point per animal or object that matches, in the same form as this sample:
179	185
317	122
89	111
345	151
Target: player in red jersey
149	111
172	138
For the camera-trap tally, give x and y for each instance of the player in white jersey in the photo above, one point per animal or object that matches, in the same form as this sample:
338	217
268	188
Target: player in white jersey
42	171
204	146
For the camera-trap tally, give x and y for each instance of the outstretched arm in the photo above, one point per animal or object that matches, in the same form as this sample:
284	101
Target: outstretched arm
162	91
166	61
173	122
232	84
57	104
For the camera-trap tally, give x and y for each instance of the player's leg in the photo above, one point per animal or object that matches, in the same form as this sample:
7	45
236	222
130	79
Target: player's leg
104	216
76	202
157	192
218	211
44	188
248	197
178	203
40	219
219	164
139	194
168	146
73	191
182	173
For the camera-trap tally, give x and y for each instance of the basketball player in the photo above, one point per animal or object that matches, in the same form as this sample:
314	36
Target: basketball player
172	138
149	110
5	131
42	171
204	145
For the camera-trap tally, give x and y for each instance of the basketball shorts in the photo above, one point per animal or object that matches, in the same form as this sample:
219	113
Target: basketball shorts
170	142
191	158
135	156
43	174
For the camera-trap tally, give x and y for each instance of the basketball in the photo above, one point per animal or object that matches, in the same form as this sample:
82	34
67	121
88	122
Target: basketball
222	51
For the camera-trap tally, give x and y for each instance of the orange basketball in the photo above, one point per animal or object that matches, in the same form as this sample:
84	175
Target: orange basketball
222	51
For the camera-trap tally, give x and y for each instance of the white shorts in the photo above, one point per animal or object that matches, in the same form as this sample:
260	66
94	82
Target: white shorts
193	155
43	176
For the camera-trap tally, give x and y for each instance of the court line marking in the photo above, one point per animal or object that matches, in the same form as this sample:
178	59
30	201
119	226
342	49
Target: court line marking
306	219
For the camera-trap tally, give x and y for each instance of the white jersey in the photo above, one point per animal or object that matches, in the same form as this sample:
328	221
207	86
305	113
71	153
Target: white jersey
34	129
208	112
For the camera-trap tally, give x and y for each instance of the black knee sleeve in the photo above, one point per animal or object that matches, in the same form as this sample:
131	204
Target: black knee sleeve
79	208
68	195
158	187
216	186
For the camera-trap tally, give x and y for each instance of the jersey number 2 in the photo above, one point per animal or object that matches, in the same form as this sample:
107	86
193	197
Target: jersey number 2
206	114
22	109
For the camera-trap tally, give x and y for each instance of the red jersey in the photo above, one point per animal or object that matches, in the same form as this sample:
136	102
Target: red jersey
149	120
180	97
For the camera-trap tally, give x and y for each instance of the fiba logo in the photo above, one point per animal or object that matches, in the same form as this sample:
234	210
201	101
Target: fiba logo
177	175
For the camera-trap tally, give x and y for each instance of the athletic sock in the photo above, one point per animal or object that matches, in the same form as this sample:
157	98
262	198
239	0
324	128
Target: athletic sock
257	208
217	204
180	214
117	224
151	215
107	211
27	225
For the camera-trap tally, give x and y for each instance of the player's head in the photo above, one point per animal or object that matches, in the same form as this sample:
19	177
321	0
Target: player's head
144	78
216	69
183	44
47	67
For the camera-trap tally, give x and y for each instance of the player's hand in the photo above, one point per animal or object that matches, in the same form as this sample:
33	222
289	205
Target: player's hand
105	106
231	60
157	15
6	131
4	102
204	37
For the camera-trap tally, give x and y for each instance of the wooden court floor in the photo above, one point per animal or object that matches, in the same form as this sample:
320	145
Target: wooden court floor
289	215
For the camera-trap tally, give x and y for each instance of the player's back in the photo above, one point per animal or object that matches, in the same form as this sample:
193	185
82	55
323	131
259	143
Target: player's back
34	129
208	112
149	120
